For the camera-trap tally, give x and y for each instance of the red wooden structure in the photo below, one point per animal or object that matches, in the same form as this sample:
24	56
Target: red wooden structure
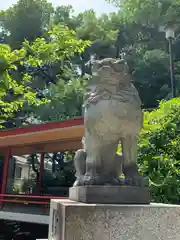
41	138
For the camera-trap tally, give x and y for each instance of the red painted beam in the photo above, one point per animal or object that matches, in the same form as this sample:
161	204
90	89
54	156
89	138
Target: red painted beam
23	201
42	127
32	196
45	200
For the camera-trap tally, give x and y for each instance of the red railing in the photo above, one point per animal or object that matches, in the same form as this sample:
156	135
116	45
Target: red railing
43	201
38	199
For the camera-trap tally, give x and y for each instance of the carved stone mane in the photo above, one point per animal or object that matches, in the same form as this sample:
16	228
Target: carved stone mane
110	80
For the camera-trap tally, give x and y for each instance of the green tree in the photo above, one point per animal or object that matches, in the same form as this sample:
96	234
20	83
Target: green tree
27	19
65	94
17	91
146	48
64	14
14	93
149	12
66	100
159	151
98	30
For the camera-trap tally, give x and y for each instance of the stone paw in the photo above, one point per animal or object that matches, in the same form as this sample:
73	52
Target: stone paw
88	179
128	181
113	181
78	182
136	181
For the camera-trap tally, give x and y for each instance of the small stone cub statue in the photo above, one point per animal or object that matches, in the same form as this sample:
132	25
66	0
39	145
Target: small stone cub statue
112	115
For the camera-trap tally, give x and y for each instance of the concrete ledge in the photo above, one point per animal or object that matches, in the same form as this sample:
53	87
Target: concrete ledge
24	217
78	221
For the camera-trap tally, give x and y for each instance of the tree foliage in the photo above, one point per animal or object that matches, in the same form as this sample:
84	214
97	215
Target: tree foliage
133	32
159	151
65	100
15	92
27	19
66	93
146	48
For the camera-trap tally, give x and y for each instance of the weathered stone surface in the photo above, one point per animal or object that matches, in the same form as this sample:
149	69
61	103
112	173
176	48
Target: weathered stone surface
112	114
77	221
110	194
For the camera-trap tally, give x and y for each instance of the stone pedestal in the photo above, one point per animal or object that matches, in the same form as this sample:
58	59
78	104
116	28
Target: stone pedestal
110	194
78	221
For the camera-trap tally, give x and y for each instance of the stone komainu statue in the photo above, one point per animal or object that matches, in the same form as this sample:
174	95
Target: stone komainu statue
112	115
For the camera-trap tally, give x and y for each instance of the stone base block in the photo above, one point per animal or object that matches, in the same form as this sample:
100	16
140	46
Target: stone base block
110	194
78	221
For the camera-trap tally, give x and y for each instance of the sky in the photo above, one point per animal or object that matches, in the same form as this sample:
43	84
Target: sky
79	5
